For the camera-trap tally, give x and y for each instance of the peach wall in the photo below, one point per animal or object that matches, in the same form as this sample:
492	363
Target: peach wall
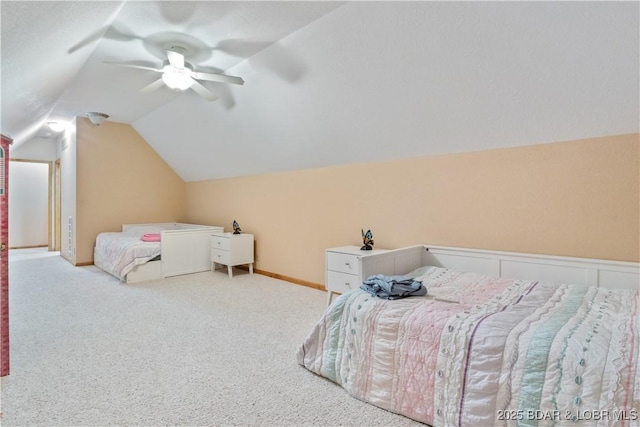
576	198
120	179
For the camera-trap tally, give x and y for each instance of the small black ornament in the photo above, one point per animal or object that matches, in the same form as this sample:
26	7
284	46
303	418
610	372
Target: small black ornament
367	239
236	227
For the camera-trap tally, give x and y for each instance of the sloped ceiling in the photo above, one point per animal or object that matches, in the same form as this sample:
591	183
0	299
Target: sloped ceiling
327	83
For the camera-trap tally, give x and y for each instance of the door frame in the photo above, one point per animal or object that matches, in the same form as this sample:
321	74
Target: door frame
50	226
57	222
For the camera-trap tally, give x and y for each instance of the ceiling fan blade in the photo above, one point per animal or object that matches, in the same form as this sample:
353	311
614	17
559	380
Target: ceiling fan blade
141	67
88	40
203	91
175	59
218	78
153	86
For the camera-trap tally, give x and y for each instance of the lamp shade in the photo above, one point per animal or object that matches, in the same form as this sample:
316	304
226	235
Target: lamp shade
97	118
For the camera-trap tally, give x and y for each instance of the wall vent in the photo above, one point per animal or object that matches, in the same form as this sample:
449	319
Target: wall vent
70	237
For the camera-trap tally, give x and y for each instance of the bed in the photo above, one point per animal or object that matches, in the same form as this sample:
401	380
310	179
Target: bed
499	339
155	250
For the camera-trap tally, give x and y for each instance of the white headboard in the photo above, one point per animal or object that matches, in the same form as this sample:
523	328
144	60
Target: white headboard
157	226
548	268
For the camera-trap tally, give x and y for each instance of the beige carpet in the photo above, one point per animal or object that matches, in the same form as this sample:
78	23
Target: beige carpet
199	349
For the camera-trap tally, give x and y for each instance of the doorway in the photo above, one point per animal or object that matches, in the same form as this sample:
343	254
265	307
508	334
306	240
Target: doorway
30	204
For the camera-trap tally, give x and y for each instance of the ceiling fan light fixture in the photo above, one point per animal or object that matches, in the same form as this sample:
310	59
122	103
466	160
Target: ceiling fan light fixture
97	118
177	79
179	75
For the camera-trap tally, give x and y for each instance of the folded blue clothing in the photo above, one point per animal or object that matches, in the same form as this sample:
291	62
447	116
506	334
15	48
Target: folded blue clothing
393	287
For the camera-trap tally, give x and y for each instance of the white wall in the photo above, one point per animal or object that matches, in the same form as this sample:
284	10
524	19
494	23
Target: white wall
37	149
28	204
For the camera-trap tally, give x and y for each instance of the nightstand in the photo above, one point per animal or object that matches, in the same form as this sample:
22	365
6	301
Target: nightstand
231	249
347	267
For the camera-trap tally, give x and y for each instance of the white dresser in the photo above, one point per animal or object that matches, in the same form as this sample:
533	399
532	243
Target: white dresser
347	267
231	249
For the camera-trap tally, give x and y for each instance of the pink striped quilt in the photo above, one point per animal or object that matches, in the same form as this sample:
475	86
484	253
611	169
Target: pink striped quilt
119	253
483	351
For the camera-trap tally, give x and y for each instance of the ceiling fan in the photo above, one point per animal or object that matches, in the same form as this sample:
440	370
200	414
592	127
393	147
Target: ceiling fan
180	75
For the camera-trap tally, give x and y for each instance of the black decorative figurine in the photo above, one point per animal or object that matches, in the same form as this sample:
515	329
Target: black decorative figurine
367	239
236	227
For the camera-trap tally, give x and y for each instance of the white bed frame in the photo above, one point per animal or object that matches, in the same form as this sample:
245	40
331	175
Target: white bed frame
185	249
555	269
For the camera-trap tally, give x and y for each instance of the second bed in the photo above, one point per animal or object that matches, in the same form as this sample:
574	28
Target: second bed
153	251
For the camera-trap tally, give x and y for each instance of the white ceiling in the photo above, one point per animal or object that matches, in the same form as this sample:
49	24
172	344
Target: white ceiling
326	83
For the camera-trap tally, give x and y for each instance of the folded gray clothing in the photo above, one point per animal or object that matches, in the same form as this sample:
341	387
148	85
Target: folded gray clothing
393	287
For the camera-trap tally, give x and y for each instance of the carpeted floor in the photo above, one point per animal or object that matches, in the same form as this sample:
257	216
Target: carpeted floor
199	349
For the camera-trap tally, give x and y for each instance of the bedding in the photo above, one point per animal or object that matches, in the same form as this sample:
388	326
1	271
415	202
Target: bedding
118	253
151	237
486	351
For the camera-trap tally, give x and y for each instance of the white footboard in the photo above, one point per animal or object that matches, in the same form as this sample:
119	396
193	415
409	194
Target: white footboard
186	251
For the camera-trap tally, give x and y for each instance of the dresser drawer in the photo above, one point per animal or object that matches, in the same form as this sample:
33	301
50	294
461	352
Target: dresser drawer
342	282
345	263
220	256
219	242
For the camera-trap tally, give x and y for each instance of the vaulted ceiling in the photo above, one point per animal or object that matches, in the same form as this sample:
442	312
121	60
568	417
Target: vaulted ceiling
326	83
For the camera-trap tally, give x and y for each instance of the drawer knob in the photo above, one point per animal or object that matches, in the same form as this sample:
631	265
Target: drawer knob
219	256
347	264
